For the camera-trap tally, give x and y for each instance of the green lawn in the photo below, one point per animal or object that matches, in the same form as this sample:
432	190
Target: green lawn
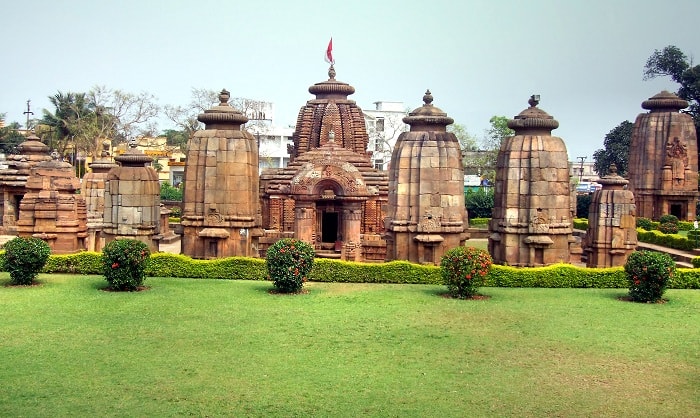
229	348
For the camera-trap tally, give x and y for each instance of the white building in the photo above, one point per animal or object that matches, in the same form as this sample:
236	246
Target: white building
384	125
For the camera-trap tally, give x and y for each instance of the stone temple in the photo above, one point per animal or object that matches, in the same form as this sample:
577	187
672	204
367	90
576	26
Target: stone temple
531	222
329	194
663	159
426	215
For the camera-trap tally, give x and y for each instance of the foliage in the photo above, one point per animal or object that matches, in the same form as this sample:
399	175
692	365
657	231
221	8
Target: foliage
616	150
124	263
694	237
9	136
648	273
464	269
479	221
668	228
668	219
666	240
580	223
168	192
24	257
583	203
645	223
479	203
672	62
86	262
289	262
497	133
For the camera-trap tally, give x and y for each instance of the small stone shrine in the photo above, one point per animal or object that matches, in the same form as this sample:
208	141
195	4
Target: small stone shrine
329	195
93	189
14	177
531	222
132	200
612	225
663	159
426	213
51	209
220	215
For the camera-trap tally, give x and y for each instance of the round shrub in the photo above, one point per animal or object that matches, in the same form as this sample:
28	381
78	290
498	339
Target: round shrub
24	258
289	261
124	263
648	273
668	218
645	223
668	228
464	269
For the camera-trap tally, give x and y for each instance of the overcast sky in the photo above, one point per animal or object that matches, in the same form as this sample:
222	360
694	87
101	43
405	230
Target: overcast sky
479	58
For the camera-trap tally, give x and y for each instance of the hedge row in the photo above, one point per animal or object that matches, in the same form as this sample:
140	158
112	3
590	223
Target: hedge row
479	221
400	272
667	240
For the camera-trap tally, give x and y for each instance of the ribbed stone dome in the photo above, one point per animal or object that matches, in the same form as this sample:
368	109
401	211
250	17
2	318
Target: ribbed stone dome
428	114
533	118
224	113
664	101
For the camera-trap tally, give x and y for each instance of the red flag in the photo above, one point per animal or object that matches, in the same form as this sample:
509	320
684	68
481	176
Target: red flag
329	53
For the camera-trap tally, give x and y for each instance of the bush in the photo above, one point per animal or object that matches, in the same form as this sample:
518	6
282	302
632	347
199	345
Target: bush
479	222
583	203
580	223
289	262
645	223
464	269
668	218
648	273
695	261
124	263
168	192
666	240
668	228
24	258
479	203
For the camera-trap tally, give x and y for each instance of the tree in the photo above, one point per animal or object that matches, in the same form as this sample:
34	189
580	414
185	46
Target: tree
672	62
9	136
616	150
497	133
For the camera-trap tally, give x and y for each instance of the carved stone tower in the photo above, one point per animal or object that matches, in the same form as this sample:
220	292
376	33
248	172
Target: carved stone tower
132	200
426	213
531	222
221	205
93	189
663	160
51	209
612	229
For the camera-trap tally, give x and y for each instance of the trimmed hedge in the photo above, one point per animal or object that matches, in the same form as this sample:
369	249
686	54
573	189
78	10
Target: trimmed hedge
666	240
580	223
399	272
479	221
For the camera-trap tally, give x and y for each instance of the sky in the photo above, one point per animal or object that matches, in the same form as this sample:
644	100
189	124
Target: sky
585	58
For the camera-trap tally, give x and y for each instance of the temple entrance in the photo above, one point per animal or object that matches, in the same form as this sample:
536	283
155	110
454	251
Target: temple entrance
329	227
676	209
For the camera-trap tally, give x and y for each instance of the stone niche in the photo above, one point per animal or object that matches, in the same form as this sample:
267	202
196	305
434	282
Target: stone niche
531	222
426	213
663	159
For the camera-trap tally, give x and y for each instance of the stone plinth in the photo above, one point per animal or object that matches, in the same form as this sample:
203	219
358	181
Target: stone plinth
426	213
531	222
51	209
220	200
663	160
132	200
13	179
329	195
612	231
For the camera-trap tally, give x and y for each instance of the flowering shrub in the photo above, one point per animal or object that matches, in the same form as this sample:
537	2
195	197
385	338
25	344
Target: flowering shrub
24	258
669	228
464	269
648	273
289	262
124	263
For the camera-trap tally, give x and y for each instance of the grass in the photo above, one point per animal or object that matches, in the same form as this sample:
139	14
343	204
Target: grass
229	348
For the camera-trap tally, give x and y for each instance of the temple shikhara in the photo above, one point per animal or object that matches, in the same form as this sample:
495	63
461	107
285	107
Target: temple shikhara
663	160
329	194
